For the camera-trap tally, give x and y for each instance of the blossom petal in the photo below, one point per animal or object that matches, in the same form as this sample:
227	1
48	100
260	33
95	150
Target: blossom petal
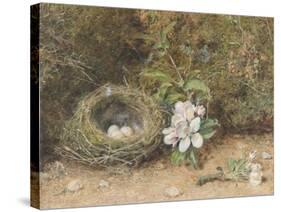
184	144
200	110
179	107
170	139
176	119
195	124
189	114
168	130
197	140
182	129
187	103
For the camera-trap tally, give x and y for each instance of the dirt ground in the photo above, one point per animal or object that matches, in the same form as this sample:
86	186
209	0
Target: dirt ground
149	182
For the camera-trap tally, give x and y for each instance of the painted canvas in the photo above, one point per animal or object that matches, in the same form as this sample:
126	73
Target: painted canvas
138	106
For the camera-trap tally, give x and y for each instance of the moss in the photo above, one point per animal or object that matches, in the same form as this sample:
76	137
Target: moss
81	48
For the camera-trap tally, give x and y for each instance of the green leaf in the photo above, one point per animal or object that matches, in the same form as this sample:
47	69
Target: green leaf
180	83
231	163
241	164
209	123
161	53
158	45
164	41
163	89
162	36
193	158
166	44
207	133
178	157
196	84
174	97
169	27
207	127
157	75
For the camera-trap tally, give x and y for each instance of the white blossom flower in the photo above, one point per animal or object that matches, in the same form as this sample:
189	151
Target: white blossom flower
193	137
171	137
177	119
175	133
184	127
186	109
200	110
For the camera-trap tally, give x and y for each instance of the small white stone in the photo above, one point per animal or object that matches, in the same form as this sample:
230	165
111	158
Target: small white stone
73	186
266	156
44	177
255	179
127	131
255	176
103	184
255	167
112	129
172	192
159	166
55	170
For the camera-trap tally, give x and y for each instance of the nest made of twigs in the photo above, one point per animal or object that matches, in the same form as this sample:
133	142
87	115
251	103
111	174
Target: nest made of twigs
85	138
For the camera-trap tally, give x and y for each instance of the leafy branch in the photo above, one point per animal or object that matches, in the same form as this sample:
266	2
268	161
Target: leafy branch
237	170
174	84
190	156
171	88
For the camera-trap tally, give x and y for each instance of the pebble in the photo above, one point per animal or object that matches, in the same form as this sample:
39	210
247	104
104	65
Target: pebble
266	156
159	166
103	184
44	177
255	176
172	192
241	146
73	186
237	136
55	170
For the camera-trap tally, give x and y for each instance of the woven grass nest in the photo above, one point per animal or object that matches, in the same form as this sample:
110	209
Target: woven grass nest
85	135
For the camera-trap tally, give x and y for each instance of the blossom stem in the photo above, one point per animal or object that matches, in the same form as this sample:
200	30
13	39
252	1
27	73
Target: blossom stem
209	178
174	65
193	158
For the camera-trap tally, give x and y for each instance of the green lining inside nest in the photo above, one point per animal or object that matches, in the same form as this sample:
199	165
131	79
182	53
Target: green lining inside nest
85	135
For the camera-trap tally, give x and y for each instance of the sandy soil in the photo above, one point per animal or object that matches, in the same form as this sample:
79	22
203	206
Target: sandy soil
148	183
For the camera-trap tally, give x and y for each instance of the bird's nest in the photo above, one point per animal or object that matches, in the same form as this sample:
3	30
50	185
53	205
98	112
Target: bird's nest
85	135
